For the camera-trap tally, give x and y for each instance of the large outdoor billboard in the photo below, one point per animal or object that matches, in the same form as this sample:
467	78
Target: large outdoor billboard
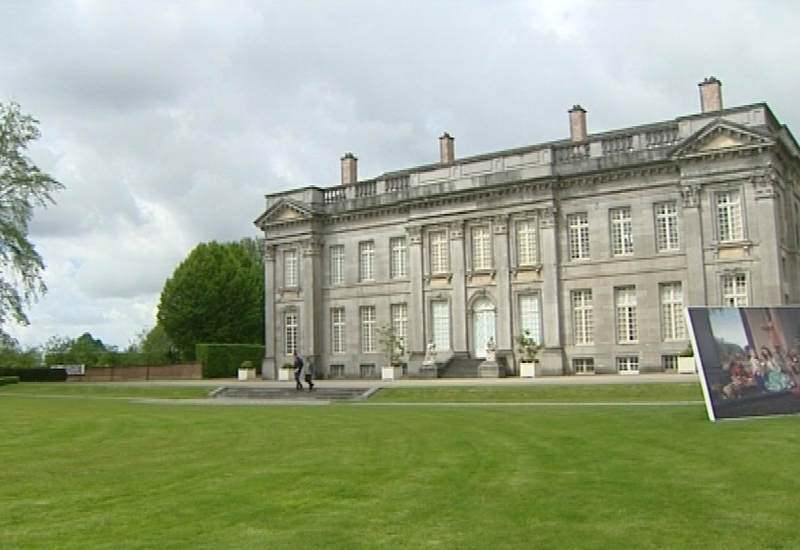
749	359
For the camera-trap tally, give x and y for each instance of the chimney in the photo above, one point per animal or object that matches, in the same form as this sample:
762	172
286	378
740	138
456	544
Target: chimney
447	150
710	95
577	123
349	169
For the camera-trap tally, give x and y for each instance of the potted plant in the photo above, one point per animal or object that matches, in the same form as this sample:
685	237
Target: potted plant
686	364
392	349
247	371
527	347
285	372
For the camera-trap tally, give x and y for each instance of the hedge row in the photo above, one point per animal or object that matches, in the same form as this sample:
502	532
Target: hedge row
39	374
224	360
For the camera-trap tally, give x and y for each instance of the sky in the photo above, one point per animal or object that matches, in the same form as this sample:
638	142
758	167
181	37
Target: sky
167	121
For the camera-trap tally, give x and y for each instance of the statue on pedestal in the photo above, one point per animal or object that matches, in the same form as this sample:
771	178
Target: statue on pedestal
491	351
430	354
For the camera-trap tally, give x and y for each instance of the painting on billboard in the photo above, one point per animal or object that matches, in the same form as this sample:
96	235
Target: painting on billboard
749	359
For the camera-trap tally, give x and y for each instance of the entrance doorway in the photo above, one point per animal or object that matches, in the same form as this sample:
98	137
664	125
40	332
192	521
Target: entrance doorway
483	315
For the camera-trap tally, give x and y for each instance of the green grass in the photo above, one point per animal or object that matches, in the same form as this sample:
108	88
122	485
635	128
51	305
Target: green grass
115	473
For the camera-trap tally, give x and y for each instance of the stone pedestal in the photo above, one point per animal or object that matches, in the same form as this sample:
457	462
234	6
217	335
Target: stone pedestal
488	369
428	370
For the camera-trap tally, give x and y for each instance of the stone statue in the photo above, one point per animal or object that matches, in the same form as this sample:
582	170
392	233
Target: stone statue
430	353
491	351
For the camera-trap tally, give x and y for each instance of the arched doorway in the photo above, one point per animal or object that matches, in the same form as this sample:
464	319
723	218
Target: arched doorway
483	326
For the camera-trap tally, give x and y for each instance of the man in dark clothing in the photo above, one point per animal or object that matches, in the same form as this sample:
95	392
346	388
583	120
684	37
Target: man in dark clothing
298	369
309	373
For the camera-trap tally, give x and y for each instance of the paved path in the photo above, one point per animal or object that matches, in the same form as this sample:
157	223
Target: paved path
417	383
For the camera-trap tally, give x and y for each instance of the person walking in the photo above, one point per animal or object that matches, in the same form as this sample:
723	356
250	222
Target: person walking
298	369
309	373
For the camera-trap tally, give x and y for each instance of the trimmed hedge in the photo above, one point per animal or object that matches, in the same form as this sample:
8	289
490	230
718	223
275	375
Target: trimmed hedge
223	360
38	374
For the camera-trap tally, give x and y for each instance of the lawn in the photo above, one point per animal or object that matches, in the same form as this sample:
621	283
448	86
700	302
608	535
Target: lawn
111	472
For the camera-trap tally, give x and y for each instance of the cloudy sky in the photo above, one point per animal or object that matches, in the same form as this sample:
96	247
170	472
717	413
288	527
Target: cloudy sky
169	120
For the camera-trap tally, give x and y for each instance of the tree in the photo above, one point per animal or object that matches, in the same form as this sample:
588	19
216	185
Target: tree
23	186
216	295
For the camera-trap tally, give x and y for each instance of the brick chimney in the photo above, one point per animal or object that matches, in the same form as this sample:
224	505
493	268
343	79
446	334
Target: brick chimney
447	150
577	123
710	95
349	169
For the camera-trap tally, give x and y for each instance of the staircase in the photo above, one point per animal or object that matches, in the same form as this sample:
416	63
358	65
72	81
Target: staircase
461	367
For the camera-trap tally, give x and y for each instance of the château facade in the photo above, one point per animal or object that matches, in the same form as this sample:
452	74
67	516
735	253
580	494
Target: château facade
595	244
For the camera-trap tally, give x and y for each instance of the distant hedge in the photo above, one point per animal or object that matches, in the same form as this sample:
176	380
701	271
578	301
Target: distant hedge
8	380
38	374
223	360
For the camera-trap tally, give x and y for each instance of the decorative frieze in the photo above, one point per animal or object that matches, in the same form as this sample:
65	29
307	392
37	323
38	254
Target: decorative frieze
547	217
690	194
500	224
764	183
312	246
414	233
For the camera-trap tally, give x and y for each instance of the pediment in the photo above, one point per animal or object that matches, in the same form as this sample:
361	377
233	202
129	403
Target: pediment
721	136
285	210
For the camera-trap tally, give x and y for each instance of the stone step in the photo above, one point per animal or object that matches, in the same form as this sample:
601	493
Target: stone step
326	394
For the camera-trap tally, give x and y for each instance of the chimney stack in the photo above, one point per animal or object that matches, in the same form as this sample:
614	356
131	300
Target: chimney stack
447	150
577	123
349	169
710	95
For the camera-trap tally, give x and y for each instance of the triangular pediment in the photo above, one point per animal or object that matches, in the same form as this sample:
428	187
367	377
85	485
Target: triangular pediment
285	210
721	136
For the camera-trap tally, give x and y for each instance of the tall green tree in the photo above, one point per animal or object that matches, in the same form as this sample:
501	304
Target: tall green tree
23	186
216	295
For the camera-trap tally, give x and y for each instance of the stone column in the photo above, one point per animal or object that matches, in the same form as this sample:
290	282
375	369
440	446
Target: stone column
416	309
458	271
310	342
768	220
554	311
502	265
695	291
268	366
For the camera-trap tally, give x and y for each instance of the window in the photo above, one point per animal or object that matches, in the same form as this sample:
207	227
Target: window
368	370
734	290
529	317
667	227
621	232
439	257
578	227
368	329
366	252
290	268
583	317
669	362
337	264
526	243
337	371
729	216
627	329
338	330
440	314
399	314
399	263
290	332
481	248
583	365
672	322
628	364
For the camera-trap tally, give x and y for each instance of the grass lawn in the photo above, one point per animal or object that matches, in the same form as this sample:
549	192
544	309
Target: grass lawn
106	472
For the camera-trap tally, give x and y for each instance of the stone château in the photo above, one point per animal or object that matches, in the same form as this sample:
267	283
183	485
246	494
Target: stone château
595	244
